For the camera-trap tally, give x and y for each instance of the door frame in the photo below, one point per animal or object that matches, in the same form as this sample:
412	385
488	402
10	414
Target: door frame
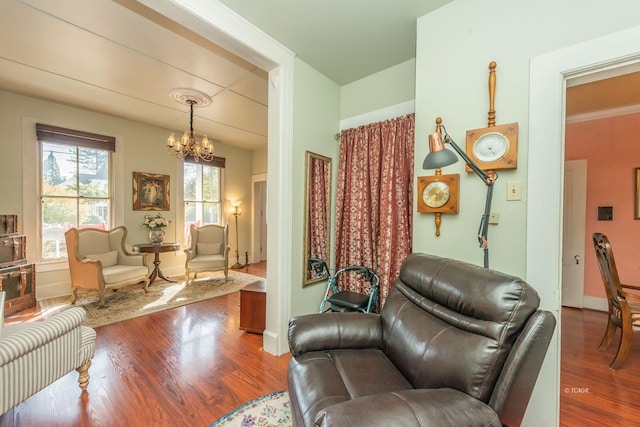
547	90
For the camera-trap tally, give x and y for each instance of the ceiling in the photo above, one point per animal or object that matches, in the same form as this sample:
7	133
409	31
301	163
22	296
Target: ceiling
123	59
344	40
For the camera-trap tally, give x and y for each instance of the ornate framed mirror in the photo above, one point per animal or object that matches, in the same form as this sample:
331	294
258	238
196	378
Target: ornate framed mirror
317	218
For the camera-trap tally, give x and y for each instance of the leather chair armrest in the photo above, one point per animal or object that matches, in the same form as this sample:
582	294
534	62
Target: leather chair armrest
325	331
433	407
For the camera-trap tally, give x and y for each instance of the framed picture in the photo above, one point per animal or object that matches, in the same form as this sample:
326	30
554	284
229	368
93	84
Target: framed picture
636	200
150	192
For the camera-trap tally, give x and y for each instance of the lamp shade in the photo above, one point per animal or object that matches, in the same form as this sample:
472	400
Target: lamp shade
438	156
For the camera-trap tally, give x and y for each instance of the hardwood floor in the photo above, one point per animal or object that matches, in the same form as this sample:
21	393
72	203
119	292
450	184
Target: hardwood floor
190	365
591	394
186	366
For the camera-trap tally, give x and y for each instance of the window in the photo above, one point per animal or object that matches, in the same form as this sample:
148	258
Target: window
202	193
75	185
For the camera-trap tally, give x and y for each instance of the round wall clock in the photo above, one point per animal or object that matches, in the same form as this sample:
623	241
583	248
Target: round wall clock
438	193
494	147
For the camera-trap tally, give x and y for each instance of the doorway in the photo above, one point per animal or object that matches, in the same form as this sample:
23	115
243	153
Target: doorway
548	75
259	219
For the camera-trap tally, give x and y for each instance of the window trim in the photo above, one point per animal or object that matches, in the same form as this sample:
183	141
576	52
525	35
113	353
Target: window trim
31	216
218	162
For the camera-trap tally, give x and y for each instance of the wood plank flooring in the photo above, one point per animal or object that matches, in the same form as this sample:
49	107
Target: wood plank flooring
591	394
190	365
186	366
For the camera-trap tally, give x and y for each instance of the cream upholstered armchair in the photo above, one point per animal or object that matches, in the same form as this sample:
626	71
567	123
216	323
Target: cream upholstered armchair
34	355
98	261
209	250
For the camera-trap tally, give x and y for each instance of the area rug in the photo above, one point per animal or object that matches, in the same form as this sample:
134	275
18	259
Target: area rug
271	410
131	301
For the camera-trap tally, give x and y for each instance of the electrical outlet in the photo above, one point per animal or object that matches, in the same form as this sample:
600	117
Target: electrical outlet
494	218
514	190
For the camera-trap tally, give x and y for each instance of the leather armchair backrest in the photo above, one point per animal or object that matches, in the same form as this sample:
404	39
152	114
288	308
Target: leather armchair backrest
451	324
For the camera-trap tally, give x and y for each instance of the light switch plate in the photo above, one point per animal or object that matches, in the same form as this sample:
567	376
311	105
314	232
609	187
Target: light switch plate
514	190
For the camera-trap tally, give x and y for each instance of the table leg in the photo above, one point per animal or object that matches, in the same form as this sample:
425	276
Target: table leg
157	272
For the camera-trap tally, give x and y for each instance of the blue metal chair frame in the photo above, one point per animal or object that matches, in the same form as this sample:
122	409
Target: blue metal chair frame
352	301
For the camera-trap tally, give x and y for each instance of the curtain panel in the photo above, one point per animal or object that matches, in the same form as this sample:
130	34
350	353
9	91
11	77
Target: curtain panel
374	201
319	176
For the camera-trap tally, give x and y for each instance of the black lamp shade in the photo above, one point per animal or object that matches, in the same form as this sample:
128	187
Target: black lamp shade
439	159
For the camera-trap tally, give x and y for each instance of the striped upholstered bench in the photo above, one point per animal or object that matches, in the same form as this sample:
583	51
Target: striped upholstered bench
34	355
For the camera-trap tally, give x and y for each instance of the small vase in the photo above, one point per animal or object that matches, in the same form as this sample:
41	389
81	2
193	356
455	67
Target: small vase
156	236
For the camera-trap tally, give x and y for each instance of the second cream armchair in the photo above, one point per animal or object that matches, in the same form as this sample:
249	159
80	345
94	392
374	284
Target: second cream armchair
209	250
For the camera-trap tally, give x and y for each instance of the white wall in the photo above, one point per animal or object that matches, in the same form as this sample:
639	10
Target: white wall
455	45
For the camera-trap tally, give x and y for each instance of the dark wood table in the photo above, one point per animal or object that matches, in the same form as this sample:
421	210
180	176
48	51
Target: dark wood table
155	248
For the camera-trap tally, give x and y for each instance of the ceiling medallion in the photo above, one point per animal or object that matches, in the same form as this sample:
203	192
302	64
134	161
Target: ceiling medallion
188	145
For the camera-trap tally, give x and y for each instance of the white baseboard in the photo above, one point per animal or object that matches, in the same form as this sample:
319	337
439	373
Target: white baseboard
52	290
595	303
270	342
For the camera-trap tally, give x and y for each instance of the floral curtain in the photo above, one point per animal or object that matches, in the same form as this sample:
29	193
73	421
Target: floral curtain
319	176
374	202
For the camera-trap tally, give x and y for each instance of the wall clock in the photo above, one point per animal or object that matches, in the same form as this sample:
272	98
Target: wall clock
438	194
493	147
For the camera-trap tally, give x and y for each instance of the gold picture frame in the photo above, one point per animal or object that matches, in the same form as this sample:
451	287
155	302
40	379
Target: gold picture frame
636	200
150	192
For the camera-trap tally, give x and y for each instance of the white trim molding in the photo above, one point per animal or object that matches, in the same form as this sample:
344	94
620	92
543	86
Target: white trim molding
219	24
380	115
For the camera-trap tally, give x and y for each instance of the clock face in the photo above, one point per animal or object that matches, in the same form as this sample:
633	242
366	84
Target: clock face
436	194
490	147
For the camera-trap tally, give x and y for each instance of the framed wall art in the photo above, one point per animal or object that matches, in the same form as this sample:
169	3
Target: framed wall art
150	192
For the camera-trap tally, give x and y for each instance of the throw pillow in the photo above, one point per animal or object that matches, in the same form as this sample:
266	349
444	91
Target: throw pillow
108	259
209	248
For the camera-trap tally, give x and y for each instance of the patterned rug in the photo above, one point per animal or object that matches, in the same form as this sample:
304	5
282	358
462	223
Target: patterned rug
271	410
131	301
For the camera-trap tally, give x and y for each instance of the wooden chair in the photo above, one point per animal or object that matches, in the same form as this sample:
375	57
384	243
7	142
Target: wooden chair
209	250
623	314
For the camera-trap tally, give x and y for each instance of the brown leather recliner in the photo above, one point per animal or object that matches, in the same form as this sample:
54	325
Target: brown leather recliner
455	344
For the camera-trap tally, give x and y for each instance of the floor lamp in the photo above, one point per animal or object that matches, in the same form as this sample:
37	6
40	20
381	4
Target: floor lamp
439	157
237	212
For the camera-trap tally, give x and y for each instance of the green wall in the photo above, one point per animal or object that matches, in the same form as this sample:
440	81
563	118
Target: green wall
316	119
386	88
455	45
139	148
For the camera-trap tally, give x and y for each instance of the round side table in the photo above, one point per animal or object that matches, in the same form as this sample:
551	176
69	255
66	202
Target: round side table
151	248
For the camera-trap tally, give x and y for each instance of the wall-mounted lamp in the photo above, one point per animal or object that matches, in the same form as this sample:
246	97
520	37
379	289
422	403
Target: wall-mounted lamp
440	157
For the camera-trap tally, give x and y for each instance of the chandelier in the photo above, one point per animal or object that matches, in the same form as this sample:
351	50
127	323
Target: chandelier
188	145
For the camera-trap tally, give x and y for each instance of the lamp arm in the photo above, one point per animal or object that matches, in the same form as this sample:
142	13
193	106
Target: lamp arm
489	181
482	174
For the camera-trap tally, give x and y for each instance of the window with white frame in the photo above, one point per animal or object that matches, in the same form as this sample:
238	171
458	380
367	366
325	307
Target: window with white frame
75	184
202	193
